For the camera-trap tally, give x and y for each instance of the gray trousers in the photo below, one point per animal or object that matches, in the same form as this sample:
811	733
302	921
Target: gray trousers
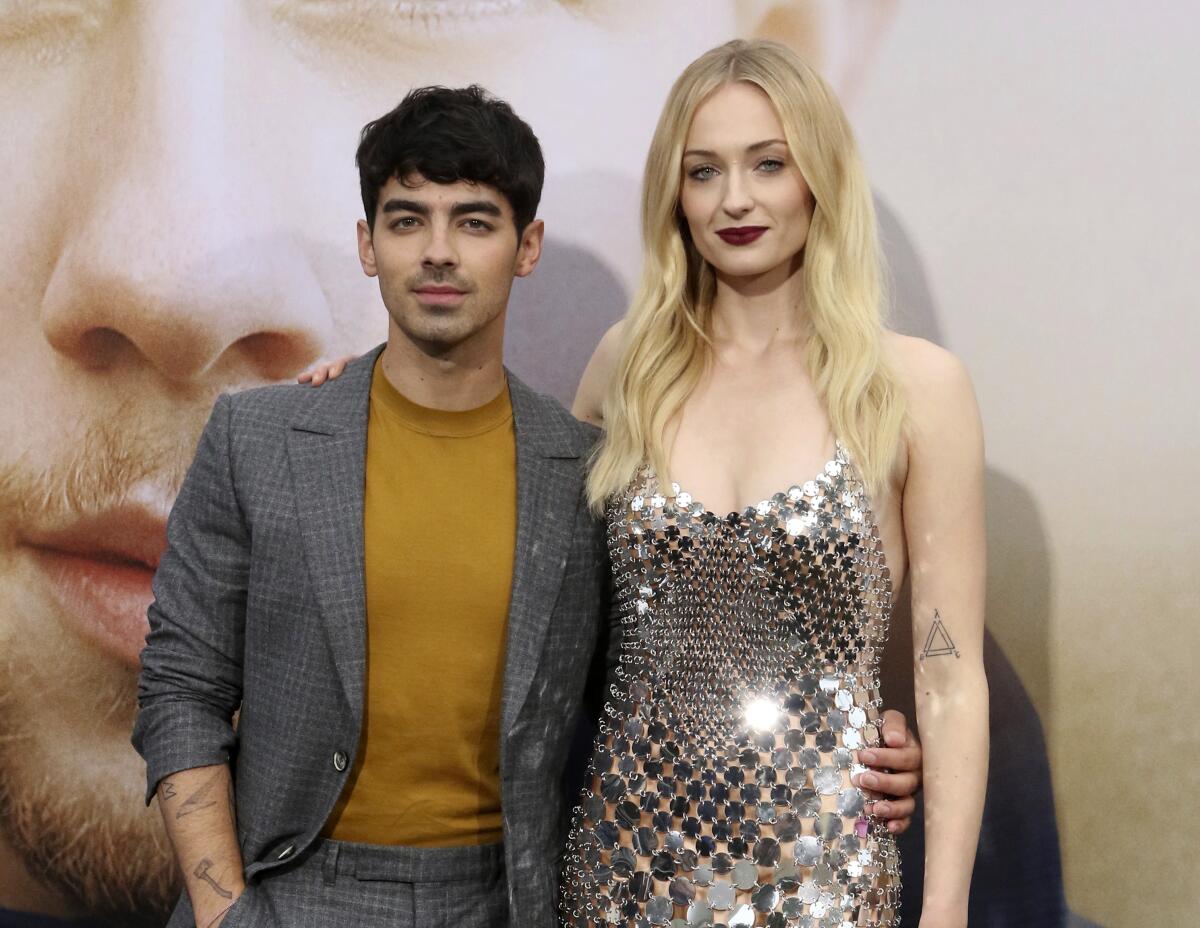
364	885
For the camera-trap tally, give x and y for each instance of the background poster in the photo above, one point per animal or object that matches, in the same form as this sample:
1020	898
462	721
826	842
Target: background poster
177	219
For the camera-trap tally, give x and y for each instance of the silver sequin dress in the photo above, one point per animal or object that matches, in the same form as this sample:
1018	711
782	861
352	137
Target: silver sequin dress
719	791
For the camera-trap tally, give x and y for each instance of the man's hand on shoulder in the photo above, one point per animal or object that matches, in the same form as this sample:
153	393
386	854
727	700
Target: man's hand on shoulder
895	772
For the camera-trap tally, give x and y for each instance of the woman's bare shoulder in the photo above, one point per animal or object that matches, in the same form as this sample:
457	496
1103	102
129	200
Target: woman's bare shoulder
926	371
593	385
938	390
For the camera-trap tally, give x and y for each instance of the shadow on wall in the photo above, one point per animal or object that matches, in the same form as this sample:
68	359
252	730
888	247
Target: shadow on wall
1018	603
1018	870
556	317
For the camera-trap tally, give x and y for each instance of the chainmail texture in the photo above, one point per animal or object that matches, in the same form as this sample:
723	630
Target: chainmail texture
719	790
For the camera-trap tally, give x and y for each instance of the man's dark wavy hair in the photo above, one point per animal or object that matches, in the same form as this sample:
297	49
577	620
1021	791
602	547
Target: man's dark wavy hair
447	135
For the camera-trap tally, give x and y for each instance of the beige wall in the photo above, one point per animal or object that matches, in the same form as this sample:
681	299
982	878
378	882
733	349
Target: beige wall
1042	158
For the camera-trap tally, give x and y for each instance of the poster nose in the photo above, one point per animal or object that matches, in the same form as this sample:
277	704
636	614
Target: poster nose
171	252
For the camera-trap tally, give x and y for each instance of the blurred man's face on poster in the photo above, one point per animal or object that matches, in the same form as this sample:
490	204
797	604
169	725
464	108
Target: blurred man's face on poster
178	213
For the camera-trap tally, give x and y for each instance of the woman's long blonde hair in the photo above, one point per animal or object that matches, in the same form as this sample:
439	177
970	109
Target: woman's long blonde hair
667	331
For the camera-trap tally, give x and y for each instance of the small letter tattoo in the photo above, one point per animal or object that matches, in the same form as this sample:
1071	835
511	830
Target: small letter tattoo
939	643
201	872
167	791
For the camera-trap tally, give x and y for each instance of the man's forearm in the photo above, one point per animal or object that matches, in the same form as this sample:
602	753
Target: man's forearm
197	806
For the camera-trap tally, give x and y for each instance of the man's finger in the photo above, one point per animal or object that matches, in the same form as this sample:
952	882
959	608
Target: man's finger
908	758
890	809
895	732
891	784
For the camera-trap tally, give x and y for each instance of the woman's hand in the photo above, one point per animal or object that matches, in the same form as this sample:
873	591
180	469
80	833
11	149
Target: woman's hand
895	772
330	370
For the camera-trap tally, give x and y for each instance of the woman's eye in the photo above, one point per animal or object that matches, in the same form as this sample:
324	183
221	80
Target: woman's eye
703	172
770	165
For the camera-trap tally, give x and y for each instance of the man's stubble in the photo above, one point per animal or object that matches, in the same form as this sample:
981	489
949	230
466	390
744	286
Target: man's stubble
72	802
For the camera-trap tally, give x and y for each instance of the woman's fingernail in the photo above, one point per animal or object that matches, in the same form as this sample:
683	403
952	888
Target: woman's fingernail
866	757
869	779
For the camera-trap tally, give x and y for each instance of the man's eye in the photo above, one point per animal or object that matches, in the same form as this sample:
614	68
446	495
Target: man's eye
405	222
478	225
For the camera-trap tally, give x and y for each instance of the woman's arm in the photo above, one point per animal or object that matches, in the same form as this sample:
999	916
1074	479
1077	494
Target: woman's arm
593	385
943	512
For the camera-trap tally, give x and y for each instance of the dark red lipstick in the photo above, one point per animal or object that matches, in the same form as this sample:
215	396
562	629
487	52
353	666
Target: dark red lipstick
742	235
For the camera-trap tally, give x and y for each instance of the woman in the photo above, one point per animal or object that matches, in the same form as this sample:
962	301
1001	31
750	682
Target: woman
753	368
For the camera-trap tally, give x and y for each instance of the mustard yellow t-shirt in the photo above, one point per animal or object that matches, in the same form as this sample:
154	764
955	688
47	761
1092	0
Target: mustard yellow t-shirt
439	527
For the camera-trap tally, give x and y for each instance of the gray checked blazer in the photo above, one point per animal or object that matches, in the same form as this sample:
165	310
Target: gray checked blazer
260	607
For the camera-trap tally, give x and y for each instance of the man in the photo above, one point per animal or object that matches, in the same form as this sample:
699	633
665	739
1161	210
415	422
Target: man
395	579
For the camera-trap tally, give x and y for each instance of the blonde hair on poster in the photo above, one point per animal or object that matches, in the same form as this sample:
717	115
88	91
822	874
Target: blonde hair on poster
667	335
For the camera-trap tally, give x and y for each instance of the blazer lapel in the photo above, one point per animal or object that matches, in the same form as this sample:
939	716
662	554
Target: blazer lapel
549	488
327	454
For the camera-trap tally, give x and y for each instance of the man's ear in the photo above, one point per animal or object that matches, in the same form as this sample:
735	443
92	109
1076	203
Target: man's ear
366	249
839	38
529	249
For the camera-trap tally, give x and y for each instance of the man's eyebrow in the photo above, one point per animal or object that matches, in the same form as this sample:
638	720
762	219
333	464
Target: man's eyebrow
475	206
396	205
399	205
757	146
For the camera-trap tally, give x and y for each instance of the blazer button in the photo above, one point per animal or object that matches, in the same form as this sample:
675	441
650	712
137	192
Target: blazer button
286	852
339	761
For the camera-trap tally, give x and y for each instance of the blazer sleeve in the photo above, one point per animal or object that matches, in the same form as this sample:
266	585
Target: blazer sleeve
191	678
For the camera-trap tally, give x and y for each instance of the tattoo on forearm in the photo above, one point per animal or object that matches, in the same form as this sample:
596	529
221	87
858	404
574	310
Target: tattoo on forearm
201	873
939	643
198	800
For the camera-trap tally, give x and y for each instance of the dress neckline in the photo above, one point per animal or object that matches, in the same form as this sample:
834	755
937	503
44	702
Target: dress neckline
839	457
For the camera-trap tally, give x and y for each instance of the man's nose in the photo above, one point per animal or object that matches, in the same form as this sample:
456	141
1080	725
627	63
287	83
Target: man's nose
440	250
175	254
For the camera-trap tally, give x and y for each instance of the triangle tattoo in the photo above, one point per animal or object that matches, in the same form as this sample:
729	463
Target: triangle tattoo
939	642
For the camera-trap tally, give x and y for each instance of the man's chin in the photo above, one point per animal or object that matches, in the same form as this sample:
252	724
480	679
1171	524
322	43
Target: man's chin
96	853
71	804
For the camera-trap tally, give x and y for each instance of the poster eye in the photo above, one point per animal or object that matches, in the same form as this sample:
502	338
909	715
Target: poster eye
48	29
421	14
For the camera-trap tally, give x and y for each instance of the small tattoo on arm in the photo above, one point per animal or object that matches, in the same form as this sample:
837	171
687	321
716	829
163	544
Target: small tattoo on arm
166	790
201	872
198	800
939	643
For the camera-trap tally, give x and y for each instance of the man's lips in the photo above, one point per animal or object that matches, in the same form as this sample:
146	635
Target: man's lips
741	235
99	570
439	295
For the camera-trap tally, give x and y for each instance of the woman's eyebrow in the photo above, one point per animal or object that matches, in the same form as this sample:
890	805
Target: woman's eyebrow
706	153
